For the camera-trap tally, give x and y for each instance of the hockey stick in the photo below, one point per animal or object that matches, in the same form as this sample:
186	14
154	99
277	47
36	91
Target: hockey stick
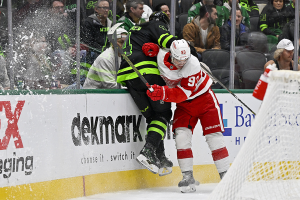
211	75
110	34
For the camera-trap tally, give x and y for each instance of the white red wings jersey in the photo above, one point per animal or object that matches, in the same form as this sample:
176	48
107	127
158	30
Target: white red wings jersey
190	79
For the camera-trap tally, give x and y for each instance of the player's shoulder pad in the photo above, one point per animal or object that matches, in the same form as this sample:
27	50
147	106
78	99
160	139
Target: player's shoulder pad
191	67
194	60
163	51
161	55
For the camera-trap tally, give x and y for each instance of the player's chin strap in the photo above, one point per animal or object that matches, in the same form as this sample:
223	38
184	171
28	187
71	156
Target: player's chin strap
112	39
215	79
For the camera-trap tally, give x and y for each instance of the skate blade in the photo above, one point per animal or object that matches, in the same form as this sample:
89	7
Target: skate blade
164	171
144	161
188	189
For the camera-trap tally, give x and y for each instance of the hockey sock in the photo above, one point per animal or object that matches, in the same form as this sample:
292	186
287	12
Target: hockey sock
185	159
156	130
183	141
219	151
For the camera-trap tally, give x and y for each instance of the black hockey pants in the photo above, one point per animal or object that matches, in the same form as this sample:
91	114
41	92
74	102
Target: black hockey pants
157	113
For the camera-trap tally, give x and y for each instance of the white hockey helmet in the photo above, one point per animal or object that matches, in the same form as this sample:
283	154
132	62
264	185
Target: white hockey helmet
120	32
180	49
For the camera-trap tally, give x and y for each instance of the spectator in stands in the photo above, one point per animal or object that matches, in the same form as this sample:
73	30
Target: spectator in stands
195	9
250	6
28	8
283	56
61	36
165	8
39	74
290	9
85	7
227	10
272	20
288	31
102	74
119	12
91	4
202	32
61	39
240	34
133	14
94	31
3	31
90	7
4	80
218	3
147	11
150	3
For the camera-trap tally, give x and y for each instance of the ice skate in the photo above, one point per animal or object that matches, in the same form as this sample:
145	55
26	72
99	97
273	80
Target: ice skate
188	183
166	164
222	174
148	158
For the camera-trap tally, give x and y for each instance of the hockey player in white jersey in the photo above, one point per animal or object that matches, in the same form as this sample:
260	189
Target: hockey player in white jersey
189	87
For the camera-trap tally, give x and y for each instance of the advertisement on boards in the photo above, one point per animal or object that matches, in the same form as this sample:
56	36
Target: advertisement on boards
49	137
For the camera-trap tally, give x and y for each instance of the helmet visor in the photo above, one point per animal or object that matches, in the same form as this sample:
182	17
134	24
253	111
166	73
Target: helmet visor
179	63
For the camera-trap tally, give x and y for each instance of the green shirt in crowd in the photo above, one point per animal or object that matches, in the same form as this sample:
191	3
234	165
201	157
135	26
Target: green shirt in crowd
128	22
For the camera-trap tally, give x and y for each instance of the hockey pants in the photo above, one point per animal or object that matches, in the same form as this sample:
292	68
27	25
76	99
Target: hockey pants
157	113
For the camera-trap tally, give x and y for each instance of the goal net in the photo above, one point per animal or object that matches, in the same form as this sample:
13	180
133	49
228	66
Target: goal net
268	164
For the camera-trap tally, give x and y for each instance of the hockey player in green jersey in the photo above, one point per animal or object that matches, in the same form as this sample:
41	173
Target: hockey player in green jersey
157	113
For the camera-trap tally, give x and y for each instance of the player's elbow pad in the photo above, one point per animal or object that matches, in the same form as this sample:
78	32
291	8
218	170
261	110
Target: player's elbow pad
175	95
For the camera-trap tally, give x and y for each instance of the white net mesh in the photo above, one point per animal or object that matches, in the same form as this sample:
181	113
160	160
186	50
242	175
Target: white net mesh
268	164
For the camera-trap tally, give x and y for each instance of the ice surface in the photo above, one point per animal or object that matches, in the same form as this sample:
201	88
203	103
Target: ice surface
164	193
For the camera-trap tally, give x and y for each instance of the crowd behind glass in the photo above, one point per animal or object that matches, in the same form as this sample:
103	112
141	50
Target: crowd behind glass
44	37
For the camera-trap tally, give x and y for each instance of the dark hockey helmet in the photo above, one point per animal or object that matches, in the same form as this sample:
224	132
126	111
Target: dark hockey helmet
160	16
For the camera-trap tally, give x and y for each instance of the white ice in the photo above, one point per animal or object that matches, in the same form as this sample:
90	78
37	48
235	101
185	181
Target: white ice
163	193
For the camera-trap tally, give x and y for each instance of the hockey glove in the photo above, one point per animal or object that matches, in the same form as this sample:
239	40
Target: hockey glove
159	93
150	49
167	94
